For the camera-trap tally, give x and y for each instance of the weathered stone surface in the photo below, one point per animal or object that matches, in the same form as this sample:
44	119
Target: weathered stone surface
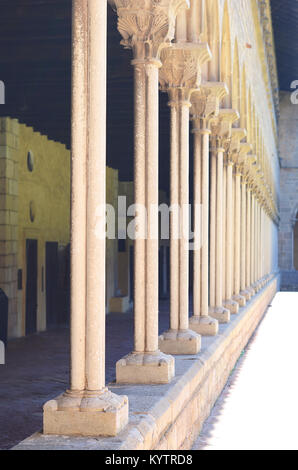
170	416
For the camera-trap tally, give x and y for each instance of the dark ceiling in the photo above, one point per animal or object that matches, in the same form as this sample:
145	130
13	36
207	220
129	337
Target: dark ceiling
35	54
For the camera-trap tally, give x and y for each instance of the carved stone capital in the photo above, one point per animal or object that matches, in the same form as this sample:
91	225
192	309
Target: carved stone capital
147	26
181	67
233	144
221	126
205	101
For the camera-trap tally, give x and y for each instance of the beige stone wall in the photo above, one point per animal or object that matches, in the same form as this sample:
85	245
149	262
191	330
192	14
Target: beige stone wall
112	245
289	181
46	191
9	212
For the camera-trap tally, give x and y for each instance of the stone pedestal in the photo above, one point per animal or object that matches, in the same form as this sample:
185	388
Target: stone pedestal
204	325
92	414
232	306
180	342
145	368
221	314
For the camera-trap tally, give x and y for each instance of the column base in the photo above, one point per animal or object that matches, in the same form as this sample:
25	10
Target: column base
240	300
246	294
257	286
205	326
251	291
145	368
179	342
232	306
221	314
120	304
85	414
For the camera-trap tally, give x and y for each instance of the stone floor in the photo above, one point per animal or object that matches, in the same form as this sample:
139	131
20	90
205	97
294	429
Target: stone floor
258	409
37	368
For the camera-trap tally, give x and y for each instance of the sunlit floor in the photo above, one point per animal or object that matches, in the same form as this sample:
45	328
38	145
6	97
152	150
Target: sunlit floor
258	409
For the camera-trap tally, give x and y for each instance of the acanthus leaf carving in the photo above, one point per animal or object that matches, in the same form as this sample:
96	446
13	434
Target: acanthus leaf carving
147	26
181	66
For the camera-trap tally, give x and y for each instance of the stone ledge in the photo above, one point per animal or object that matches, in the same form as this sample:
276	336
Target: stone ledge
169	417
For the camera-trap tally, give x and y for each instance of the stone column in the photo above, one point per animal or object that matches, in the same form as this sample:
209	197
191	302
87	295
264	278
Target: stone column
245	148
233	147
224	232
229	303
146	28
88	408
222	131
205	106
252	231
245	293
237	237
251	159
212	263
256	285
248	239
179	77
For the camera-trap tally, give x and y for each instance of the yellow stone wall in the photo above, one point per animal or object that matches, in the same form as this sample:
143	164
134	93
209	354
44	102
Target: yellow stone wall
44	192
47	189
9	145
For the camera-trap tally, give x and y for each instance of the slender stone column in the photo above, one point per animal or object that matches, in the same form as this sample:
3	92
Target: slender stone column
222	130
186	58
248	240
146	28
253	247
205	105
229	303
256	243
197	201
88	408
218	311
251	159
224	232
237	240
212	272
245	293
233	148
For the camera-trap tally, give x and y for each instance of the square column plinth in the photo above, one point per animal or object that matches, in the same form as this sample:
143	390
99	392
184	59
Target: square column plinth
221	314
180	342
101	415
205	326
145	368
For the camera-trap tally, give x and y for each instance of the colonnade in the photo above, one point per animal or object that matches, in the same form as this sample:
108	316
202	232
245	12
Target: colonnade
232	228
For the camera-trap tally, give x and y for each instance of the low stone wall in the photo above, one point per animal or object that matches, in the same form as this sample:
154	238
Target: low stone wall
169	417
